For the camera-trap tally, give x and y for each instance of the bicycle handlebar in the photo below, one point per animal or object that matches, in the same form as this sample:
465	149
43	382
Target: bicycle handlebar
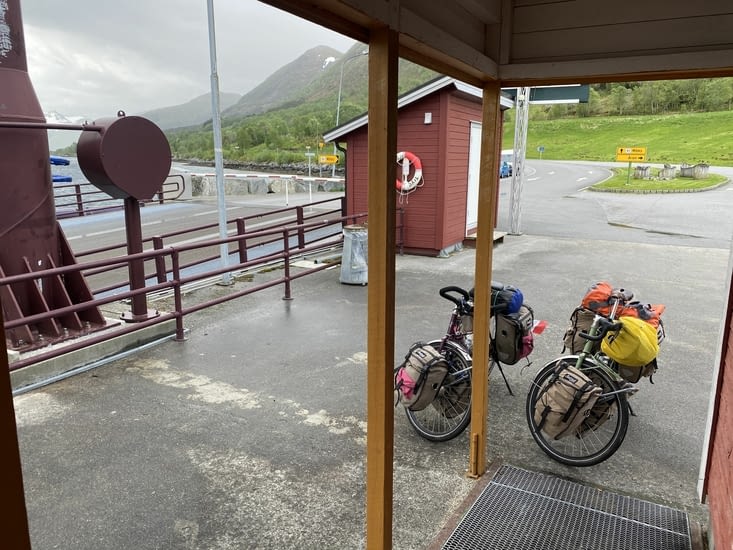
605	326
464	304
448	292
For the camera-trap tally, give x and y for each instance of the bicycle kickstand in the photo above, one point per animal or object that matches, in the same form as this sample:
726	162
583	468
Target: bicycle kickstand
504	377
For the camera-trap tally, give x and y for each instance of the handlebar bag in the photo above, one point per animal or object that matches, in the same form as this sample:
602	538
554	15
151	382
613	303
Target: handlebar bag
635	344
420	376
565	401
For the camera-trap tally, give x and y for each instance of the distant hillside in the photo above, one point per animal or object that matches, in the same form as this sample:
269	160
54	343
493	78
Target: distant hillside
193	113
285	85
292	109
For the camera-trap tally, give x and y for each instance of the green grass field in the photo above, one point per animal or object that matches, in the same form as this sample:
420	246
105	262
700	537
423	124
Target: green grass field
621	181
669	139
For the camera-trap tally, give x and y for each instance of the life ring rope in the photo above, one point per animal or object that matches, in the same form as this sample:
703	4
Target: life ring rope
409	163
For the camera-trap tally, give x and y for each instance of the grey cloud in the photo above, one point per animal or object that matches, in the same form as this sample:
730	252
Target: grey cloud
93	57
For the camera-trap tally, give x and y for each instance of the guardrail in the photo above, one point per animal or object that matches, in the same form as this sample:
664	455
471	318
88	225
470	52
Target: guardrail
83	199
178	276
247	244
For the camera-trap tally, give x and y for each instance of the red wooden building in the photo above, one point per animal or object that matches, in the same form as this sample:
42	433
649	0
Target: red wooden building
439	123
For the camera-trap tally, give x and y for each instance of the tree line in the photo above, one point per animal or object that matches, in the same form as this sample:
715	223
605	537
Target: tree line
283	136
646	98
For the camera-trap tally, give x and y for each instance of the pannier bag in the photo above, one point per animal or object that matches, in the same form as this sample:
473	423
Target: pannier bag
565	402
580	321
513	337
634	345
419	377
634	374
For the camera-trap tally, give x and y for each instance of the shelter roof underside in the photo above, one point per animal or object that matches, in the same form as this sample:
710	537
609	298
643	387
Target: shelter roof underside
533	42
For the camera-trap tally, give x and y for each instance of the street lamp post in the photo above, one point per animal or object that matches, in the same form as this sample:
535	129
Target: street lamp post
226	277
338	102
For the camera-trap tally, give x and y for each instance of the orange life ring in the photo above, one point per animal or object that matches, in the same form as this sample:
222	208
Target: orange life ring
409	163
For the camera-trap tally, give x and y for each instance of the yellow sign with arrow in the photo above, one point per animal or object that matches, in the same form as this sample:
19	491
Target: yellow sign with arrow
630	154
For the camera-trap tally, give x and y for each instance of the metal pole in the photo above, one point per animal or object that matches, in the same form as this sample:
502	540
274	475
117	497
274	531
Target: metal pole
226	278
338	110
520	146
338	101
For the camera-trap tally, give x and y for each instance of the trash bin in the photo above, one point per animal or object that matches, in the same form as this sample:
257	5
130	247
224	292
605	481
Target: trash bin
354	255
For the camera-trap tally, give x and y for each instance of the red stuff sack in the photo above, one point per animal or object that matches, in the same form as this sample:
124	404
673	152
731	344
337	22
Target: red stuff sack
597	298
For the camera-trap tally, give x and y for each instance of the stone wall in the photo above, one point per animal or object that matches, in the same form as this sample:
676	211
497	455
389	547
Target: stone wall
252	185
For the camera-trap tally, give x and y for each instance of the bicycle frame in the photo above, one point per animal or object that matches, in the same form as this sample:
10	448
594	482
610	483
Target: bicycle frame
596	358
461	335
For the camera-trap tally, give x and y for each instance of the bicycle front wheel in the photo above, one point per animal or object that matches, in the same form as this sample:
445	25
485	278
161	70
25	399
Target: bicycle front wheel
450	412
600	434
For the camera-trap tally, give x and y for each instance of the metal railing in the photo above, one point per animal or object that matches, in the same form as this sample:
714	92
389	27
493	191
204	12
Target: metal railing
171	267
246	243
178	277
83	199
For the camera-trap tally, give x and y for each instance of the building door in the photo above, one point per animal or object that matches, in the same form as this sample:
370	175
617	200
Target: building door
474	165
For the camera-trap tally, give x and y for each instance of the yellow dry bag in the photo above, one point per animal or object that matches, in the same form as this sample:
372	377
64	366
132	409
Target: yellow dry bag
634	345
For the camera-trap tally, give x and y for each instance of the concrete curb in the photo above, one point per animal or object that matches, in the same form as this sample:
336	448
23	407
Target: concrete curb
50	370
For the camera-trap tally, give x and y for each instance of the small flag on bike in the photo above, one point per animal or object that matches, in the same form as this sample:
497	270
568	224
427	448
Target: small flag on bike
539	326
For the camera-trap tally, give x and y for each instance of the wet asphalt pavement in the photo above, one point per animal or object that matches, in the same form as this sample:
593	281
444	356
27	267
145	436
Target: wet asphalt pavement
251	434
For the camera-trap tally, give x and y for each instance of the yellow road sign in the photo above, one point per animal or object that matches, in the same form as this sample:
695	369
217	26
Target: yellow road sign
630	153
328	159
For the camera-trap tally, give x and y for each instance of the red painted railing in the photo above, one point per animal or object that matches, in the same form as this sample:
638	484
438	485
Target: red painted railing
178	277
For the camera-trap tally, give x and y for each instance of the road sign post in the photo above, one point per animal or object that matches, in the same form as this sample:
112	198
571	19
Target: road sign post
310	156
630	154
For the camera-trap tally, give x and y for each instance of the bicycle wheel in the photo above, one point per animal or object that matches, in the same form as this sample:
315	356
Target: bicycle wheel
450	412
600	434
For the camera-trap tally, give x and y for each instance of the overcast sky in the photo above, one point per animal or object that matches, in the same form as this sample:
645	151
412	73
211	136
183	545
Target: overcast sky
93	58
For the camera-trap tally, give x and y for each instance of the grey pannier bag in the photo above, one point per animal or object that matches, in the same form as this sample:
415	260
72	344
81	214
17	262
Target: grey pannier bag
513	336
565	402
580	321
420	376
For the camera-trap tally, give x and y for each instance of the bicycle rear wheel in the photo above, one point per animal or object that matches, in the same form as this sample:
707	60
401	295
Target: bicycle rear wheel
450	412
600	434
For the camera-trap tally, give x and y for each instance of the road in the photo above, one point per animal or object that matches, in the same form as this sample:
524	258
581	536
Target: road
183	223
555	202
107	229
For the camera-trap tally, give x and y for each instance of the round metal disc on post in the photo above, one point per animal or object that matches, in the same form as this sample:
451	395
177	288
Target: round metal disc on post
129	157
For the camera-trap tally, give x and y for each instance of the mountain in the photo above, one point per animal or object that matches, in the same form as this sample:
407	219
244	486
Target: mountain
316	81
291	110
284	85
193	113
58	139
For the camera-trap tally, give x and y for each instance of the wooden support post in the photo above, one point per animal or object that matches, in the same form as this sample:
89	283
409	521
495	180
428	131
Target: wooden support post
487	199
14	527
382	148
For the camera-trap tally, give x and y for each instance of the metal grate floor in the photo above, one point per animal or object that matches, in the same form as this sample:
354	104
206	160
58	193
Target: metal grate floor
530	511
